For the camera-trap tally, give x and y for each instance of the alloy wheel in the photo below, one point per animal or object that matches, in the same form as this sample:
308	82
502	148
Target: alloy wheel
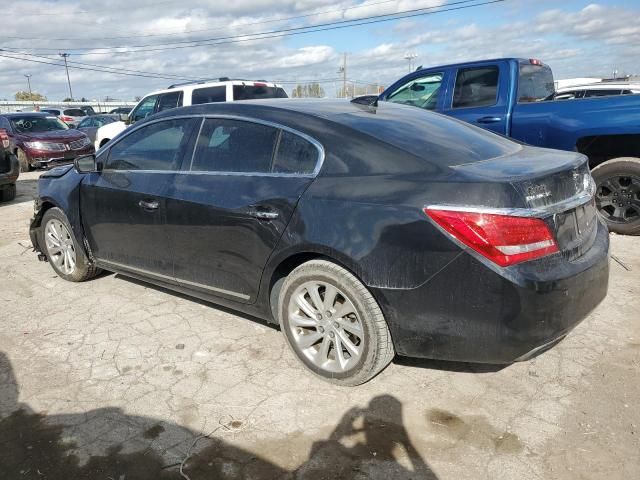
60	246
618	198
325	327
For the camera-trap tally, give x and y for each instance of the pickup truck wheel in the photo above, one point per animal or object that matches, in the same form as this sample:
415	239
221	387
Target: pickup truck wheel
63	251
618	194
333	324
24	161
8	193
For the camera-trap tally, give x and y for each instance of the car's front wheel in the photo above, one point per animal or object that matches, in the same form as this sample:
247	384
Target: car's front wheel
618	194
333	324
63	251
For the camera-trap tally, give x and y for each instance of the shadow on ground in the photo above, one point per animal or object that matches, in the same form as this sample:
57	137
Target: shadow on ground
366	444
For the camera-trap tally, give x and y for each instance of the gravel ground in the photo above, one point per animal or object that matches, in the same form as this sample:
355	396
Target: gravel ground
114	379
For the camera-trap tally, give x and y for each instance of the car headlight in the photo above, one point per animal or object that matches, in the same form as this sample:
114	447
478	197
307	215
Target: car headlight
45	146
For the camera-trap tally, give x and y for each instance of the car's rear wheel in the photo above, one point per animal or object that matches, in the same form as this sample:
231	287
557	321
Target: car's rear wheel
8	193
618	194
63	251
333	324
23	160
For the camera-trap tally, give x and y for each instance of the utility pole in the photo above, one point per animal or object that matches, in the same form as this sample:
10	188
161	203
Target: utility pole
65	55
343	71
29	83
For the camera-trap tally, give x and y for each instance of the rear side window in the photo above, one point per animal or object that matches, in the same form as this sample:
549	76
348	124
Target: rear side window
75	112
234	146
169	100
255	92
476	87
209	95
86	123
295	155
535	83
153	147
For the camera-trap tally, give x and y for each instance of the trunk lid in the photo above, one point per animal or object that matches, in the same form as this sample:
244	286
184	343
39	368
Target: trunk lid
549	184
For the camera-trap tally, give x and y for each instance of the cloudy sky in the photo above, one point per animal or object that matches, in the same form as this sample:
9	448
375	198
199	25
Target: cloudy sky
577	38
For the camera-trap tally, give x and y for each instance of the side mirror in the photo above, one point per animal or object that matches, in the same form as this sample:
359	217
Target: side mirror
86	163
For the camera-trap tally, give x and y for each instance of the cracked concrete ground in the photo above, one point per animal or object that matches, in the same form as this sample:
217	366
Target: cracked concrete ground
114	379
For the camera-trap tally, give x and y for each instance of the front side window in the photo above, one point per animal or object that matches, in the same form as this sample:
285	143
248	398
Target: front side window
420	92
476	87
169	100
39	123
234	146
144	109
209	95
153	147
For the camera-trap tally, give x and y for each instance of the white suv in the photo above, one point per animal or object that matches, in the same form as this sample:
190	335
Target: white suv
185	94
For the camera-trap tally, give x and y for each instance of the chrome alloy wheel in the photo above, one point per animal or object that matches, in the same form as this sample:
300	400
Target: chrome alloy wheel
60	246
325	327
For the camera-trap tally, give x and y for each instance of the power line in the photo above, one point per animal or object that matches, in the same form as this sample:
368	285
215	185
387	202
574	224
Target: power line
289	31
275	20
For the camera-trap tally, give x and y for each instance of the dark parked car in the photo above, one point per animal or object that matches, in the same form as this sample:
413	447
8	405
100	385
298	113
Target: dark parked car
363	231
9	169
91	124
122	110
41	139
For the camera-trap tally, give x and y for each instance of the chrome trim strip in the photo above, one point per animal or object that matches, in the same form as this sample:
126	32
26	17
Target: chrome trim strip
159	275
552	209
313	141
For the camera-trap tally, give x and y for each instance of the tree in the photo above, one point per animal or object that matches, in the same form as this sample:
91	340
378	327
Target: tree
312	90
68	99
23	96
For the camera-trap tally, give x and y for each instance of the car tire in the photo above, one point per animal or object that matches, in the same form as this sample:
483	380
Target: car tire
8	193
23	160
347	350
618	190
63	251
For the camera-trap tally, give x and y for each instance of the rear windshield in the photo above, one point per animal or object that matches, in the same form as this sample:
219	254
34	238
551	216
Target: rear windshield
75	112
435	138
255	92
535	83
40	123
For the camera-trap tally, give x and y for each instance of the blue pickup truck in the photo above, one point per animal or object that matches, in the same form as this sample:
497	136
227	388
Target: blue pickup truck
514	97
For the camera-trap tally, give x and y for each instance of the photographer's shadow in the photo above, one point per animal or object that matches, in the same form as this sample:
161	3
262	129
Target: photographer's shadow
107	443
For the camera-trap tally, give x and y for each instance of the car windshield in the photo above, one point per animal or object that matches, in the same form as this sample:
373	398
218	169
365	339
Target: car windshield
254	92
39	123
535	84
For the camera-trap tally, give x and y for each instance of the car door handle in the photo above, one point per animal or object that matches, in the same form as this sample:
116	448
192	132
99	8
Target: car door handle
262	213
489	120
149	205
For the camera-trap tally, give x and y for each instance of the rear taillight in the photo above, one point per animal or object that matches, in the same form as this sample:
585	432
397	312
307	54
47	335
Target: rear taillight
503	239
4	138
66	119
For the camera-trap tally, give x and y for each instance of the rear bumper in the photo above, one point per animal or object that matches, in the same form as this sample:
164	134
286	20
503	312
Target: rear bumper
469	312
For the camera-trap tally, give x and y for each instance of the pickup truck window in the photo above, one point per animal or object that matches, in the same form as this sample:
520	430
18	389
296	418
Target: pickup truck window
535	83
420	92
476	87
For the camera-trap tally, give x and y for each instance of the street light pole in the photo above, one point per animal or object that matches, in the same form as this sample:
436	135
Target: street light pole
411	57
65	55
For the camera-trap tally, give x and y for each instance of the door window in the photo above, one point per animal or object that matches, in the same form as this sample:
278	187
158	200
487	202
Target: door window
601	93
420	92
234	146
144	109
476	87
209	95
86	123
153	147
295	155
169	100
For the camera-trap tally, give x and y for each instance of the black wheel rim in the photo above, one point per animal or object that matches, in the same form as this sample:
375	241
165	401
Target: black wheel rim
618	198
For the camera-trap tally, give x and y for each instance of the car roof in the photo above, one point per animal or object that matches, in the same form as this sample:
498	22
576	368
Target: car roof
478	62
211	83
24	114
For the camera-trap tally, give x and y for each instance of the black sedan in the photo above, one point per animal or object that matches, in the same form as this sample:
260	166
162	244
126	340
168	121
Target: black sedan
363	231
